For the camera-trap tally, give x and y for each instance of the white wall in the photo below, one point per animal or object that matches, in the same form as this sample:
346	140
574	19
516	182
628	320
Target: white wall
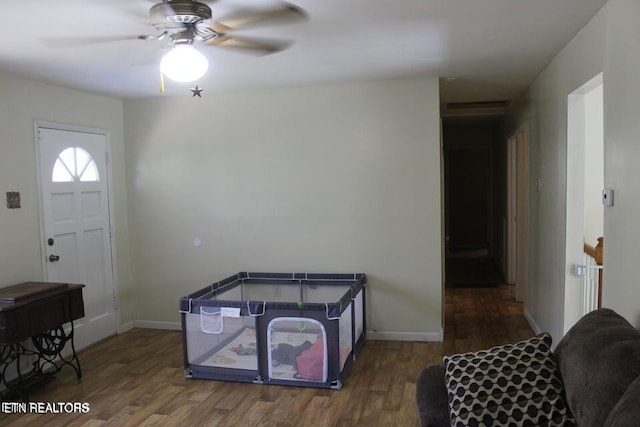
21	103
332	178
622	154
610	44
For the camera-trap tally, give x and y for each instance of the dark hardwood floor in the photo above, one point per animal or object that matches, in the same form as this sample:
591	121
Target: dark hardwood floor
136	378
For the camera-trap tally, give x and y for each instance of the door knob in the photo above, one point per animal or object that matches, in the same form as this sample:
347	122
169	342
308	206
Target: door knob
54	258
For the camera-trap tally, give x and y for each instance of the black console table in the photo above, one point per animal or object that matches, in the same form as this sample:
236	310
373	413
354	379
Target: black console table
36	311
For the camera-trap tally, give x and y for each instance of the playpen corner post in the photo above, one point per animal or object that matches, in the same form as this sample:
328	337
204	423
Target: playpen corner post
335	324
353	328
364	312
185	355
262	346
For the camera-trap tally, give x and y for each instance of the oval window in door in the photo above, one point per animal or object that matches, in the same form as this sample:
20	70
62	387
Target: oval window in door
75	164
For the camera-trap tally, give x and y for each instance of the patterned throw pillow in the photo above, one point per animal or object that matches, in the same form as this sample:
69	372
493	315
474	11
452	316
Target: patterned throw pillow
515	384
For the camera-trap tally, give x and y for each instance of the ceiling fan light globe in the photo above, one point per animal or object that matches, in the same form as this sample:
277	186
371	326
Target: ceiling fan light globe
184	64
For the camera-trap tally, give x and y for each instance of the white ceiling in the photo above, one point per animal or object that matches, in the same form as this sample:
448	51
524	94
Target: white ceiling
488	49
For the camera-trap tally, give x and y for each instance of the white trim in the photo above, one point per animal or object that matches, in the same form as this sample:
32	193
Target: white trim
534	326
406	336
155	324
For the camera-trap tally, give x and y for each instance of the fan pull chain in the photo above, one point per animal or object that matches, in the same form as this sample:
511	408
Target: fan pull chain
161	82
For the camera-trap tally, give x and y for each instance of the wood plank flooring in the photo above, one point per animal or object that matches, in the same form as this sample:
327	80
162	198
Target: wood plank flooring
136	378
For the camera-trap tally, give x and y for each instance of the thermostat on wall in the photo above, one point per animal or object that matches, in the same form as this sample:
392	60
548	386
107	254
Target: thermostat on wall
607	197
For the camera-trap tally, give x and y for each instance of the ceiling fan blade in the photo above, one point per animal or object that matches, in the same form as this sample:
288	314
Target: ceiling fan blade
282	14
252	45
57	42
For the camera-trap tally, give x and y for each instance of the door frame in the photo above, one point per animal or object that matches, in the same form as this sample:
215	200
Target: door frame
522	212
512	201
112	239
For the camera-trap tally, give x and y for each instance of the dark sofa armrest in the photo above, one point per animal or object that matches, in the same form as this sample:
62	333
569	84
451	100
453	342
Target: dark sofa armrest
598	358
431	397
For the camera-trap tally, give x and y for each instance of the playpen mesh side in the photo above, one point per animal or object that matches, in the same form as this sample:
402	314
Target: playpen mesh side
345	337
351	327
297	349
215	337
323	294
271	292
359	314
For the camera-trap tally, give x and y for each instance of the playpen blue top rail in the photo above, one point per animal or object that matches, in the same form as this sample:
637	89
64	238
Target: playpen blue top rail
355	281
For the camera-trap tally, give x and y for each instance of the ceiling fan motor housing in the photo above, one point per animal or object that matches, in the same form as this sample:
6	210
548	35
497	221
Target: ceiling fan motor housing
184	22
176	14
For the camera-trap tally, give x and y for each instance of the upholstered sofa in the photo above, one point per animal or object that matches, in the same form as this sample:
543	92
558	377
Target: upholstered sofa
597	369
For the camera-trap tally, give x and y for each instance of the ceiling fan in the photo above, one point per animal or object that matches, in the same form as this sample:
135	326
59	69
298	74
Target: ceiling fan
185	22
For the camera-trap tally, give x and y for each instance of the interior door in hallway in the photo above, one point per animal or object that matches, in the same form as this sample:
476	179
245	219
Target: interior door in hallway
76	224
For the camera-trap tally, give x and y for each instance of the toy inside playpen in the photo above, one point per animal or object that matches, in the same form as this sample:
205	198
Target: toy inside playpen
275	328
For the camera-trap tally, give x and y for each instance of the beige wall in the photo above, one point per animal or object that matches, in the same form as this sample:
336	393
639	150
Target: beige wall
608	44
332	178
622	154
21	103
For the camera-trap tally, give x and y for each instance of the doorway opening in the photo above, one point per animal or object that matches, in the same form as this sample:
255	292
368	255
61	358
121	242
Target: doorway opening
473	194
475	215
585	182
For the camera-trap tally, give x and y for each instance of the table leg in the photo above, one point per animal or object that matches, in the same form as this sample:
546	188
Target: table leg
48	361
49	347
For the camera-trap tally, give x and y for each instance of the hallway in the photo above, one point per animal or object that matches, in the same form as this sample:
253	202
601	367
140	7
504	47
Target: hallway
481	317
480	310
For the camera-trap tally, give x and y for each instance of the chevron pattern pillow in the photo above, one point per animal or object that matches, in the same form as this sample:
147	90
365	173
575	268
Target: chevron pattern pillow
514	384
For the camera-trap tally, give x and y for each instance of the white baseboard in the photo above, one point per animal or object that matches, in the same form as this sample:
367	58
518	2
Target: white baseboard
153	324
125	327
405	336
532	323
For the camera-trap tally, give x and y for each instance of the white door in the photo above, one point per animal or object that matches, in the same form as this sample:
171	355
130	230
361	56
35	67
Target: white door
76	224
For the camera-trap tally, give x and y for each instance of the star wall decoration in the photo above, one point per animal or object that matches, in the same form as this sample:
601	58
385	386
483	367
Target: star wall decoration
196	92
